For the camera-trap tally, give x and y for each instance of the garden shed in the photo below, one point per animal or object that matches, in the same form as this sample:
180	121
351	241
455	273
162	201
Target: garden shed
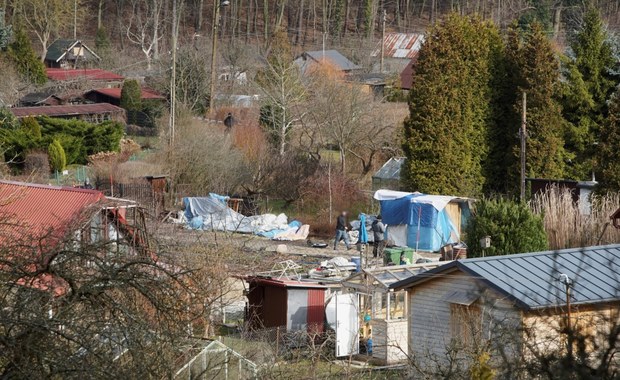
286	304
388	177
382	311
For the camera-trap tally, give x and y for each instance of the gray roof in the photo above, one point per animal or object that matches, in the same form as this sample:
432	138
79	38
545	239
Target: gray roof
391	169
532	280
332	56
59	48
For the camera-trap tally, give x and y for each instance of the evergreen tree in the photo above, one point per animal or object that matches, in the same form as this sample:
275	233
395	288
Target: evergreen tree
512	226
538	77
5	32
57	157
31	126
501	177
102	42
26	60
446	134
607	163
590	81
131	95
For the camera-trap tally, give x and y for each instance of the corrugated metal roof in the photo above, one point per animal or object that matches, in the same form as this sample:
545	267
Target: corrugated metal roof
533	281
90	74
67	110
391	169
33	211
116	93
332	56
400	45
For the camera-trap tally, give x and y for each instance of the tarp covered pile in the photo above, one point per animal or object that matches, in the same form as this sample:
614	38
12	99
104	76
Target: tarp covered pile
213	214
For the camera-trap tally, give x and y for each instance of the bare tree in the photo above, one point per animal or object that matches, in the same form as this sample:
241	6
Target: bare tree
46	18
144	21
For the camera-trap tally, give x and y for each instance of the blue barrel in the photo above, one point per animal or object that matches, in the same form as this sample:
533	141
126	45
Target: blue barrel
358	263
369	346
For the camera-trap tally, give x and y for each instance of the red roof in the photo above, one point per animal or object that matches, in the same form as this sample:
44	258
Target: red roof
92	74
36	211
67	110
116	93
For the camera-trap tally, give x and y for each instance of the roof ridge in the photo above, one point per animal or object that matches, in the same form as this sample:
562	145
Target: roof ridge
539	253
51	187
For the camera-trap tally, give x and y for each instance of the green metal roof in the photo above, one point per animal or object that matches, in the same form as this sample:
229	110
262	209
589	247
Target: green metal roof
60	47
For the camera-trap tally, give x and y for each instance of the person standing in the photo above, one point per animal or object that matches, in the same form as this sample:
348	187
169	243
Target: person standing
378	231
341	230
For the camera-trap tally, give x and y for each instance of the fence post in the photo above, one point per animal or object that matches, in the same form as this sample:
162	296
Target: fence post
277	340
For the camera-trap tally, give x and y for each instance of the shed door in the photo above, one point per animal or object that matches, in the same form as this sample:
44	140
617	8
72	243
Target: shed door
347	324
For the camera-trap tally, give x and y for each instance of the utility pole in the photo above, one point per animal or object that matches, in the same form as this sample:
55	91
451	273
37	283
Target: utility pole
216	21
384	17
173	75
523	137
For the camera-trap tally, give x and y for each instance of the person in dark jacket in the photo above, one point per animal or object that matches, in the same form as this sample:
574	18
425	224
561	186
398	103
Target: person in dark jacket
378	231
341	230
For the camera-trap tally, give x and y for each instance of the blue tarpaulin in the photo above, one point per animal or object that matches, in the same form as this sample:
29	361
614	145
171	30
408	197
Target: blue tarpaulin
363	237
428	226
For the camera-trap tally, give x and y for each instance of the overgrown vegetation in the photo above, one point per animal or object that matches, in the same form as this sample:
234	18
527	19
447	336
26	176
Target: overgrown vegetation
78	139
512	226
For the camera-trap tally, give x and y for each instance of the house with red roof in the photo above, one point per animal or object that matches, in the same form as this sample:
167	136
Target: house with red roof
103	78
39	223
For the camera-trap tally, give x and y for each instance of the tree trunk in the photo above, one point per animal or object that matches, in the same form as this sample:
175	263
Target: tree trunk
266	20
119	19
347	12
300	22
156	9
100	15
557	20
199	16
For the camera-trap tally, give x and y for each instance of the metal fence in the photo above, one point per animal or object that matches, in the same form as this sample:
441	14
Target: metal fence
140	192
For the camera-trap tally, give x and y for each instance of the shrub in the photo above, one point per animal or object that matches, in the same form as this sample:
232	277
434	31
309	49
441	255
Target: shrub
31	126
512	226
57	157
37	164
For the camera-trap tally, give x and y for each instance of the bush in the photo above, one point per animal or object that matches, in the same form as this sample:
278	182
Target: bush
31	126
513	228
37	164
57	157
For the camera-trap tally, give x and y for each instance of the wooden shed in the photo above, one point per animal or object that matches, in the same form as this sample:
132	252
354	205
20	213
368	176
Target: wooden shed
290	305
383	311
516	306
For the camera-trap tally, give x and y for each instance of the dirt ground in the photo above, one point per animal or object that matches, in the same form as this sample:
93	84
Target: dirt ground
262	254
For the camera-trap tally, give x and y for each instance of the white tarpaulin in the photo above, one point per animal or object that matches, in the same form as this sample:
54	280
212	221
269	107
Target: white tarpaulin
211	213
439	202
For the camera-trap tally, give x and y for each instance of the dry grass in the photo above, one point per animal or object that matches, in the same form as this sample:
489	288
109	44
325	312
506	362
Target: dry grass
567	227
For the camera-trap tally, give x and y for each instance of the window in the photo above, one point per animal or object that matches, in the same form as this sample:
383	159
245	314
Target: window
466	323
